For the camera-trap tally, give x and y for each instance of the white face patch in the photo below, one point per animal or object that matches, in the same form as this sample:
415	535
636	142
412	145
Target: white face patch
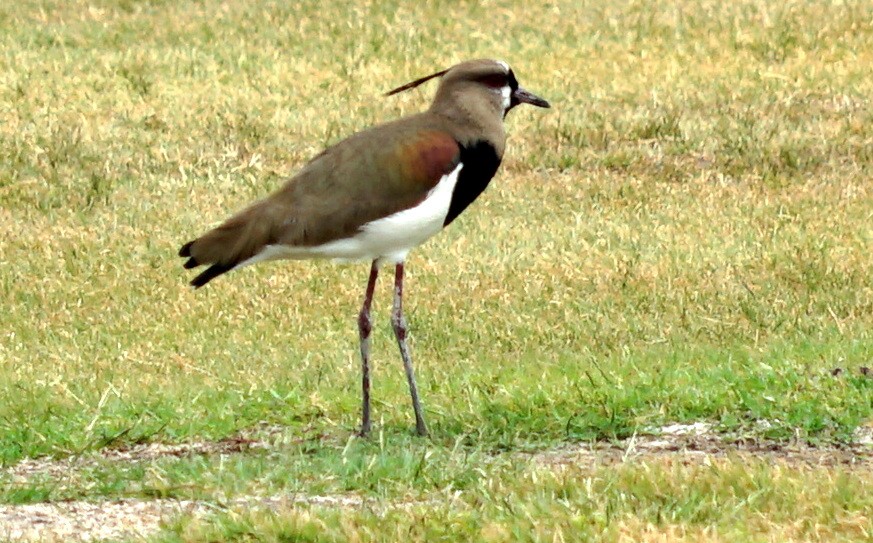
504	65
506	93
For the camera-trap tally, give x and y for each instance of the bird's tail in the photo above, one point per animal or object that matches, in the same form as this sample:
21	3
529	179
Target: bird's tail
224	248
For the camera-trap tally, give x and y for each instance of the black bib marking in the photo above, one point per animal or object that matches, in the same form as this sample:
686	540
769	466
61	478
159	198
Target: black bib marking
480	162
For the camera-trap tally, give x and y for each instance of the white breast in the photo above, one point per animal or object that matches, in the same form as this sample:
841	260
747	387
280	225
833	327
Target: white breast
389	238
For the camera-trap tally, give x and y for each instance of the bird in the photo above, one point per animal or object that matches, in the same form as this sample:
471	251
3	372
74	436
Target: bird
378	194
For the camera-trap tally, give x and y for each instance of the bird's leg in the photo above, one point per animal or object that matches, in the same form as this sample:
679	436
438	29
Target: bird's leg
400	329
365	326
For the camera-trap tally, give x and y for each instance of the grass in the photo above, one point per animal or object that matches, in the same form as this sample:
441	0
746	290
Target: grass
662	501
685	236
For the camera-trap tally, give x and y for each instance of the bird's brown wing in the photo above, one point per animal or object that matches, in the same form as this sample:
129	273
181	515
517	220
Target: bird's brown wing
368	176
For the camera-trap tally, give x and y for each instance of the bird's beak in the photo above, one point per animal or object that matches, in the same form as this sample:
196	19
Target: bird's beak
522	96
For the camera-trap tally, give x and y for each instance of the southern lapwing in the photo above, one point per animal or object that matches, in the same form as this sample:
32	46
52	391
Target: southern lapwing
378	194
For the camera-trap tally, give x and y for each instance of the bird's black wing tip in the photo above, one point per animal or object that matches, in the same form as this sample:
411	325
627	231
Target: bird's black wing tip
211	273
185	251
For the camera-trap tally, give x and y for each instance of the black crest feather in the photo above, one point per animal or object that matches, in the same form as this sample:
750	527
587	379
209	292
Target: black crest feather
417	82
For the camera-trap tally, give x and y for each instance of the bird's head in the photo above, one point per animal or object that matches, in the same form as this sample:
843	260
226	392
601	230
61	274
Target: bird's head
475	84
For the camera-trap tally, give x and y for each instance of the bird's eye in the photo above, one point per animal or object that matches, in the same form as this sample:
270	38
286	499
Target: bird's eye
495	81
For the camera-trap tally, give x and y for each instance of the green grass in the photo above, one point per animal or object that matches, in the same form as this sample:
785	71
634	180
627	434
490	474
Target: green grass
665	501
685	236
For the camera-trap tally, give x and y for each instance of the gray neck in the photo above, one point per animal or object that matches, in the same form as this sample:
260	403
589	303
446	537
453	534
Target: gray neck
473	116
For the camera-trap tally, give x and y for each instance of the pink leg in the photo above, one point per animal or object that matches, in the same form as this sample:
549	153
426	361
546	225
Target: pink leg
365	326
400	330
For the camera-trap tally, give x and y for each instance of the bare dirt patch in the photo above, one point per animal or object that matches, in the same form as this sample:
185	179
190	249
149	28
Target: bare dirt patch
261	437
136	518
87	521
690	448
